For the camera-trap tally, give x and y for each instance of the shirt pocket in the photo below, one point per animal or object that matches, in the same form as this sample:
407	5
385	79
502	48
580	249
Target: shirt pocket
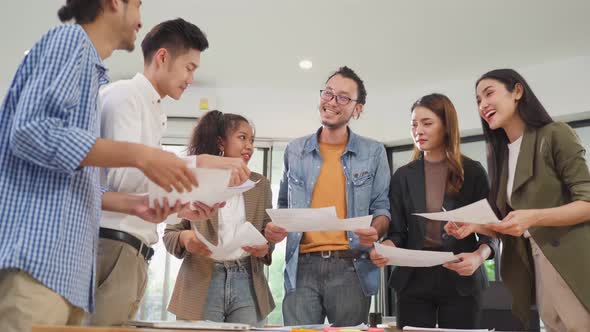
296	190
362	185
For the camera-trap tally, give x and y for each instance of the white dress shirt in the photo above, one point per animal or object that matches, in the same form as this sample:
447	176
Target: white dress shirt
231	216
130	111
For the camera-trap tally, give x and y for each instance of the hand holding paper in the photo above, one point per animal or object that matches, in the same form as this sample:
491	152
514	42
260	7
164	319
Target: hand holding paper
238	168
140	208
479	212
274	233
246	235
213	188
193	244
197	211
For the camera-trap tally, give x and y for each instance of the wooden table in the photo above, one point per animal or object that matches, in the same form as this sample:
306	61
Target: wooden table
101	329
118	329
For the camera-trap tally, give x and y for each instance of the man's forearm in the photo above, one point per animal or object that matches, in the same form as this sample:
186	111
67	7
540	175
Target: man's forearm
109	153
118	202
381	224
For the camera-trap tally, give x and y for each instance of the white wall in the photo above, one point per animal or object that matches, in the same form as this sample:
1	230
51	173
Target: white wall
562	86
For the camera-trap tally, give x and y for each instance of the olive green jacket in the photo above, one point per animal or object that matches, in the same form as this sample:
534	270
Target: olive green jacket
551	171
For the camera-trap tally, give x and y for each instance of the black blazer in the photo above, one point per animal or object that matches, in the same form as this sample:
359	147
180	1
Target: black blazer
407	196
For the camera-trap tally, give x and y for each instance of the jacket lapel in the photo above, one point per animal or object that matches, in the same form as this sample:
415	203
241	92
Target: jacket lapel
250	198
526	158
501	199
417	186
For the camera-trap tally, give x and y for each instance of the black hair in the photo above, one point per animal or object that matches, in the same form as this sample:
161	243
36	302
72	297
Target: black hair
82	11
211	128
530	110
349	73
177	36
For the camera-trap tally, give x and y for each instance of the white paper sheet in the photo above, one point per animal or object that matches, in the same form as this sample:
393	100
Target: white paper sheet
212	188
412	328
413	258
479	212
246	235
317	327
315	220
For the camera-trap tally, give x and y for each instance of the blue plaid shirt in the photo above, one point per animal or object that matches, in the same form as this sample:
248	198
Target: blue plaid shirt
49	206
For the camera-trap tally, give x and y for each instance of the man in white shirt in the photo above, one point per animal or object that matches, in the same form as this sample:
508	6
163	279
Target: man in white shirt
130	111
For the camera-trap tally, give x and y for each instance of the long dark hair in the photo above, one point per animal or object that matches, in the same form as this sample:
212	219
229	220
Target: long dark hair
530	110
442	106
213	127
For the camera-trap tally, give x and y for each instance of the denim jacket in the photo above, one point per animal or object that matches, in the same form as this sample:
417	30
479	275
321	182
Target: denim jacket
367	186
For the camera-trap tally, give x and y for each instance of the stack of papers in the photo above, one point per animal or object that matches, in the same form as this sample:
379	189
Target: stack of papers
213	188
315	220
479	212
246	235
414	258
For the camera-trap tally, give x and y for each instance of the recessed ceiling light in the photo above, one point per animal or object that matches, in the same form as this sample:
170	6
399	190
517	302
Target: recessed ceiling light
305	64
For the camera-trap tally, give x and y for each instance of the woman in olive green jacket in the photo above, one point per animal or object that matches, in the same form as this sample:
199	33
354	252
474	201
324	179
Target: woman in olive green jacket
541	189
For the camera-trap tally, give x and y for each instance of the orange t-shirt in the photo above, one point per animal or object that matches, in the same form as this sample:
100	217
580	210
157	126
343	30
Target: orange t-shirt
329	190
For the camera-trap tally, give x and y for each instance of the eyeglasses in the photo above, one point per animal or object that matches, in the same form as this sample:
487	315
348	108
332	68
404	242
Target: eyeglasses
328	95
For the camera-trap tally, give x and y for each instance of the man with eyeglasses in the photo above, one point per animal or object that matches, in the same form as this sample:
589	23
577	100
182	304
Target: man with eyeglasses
329	274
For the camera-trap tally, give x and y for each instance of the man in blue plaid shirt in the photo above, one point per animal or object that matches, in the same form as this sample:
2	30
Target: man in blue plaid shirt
50	194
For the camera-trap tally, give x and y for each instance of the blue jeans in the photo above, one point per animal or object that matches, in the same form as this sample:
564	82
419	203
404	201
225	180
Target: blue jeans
326	287
231	295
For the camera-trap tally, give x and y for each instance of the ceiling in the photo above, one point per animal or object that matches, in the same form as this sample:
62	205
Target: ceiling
257	44
260	42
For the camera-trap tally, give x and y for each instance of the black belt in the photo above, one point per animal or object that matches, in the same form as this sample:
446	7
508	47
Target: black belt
146	251
338	254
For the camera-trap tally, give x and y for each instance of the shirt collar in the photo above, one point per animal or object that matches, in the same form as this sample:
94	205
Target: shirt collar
96	59
352	145
146	87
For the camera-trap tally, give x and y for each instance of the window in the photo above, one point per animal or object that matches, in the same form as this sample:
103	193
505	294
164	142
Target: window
584	135
275	275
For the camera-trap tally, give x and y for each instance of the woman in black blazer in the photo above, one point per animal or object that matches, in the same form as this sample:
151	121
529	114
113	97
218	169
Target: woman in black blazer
439	178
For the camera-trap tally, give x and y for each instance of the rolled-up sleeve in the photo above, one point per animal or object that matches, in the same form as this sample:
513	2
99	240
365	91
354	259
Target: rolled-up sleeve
379	195
172	238
42	133
570	162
